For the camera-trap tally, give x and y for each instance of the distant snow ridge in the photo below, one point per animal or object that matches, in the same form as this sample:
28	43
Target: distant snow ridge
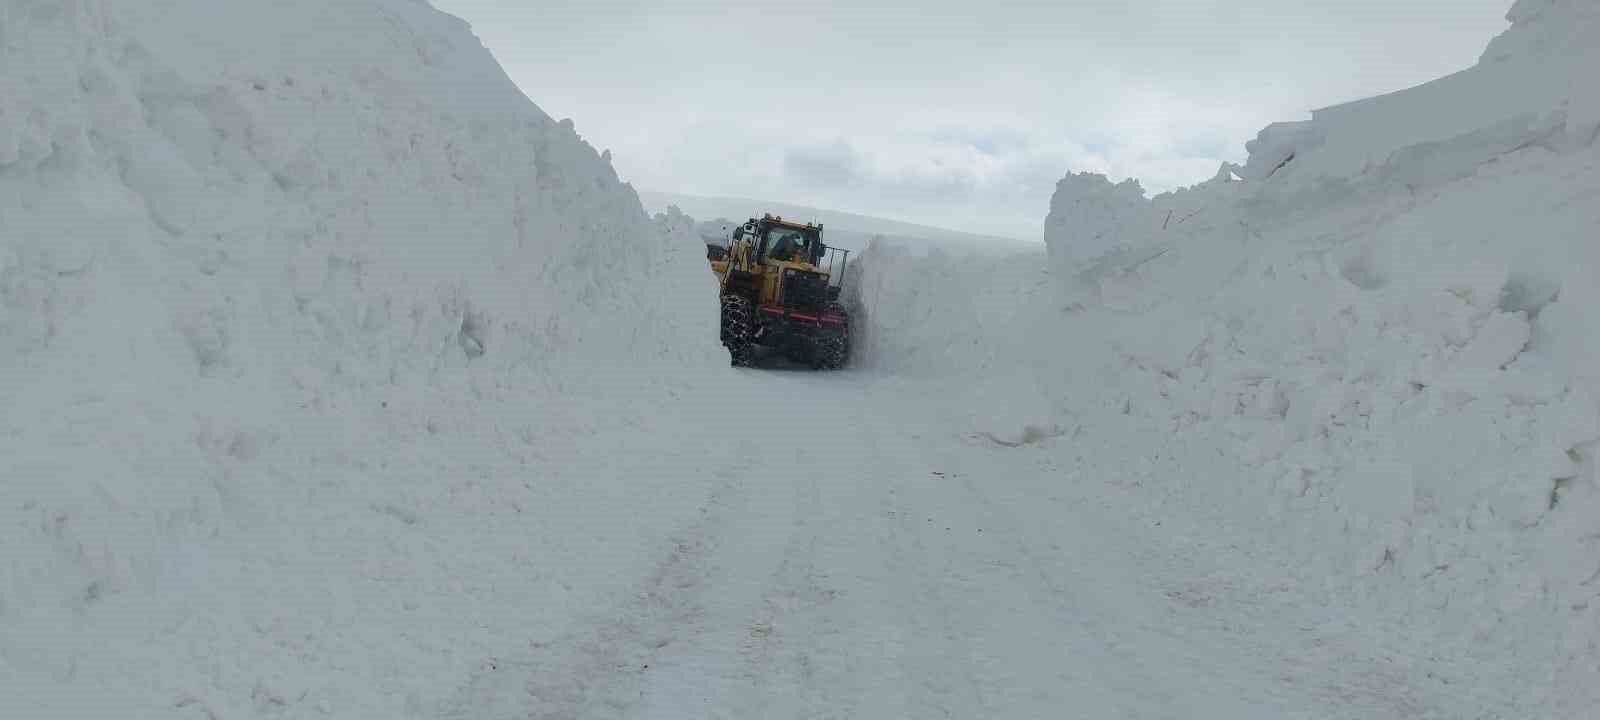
254	256
1370	351
1532	89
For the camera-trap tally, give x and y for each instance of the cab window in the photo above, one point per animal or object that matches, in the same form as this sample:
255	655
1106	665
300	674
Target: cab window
787	244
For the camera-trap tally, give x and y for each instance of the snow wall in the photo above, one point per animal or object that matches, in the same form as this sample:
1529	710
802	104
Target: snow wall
280	285
1370	352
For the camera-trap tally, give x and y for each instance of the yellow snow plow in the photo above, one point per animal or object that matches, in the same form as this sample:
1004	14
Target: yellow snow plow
780	289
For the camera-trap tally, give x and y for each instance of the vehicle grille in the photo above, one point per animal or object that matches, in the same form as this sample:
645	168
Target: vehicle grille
804	289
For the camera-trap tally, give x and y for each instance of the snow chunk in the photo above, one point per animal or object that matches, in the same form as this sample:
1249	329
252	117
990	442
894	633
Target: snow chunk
1090	218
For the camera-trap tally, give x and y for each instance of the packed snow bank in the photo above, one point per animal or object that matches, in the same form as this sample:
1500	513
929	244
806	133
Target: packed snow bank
965	321
920	309
1534	84
304	310
1369	353
1386	330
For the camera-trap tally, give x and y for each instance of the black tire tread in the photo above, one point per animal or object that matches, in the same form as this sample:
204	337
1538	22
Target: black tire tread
833	351
737	327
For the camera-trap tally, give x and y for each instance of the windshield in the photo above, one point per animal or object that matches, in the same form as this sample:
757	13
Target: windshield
785	243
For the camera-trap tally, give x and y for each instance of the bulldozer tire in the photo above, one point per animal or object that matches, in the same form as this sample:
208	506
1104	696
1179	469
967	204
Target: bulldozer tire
832	351
737	328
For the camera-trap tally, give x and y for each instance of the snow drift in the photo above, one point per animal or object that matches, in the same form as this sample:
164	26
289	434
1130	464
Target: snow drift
281	283
1367	353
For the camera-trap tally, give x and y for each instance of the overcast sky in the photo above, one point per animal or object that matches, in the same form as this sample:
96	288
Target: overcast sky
961	114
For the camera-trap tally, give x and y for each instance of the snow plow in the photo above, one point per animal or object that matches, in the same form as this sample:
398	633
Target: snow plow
780	290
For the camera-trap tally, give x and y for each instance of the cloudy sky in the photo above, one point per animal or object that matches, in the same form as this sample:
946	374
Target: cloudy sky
961	114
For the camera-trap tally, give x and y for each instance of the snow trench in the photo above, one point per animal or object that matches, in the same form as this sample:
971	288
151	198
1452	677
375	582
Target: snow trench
340	380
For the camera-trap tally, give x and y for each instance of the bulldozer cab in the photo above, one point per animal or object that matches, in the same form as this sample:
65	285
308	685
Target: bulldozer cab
781	263
791	245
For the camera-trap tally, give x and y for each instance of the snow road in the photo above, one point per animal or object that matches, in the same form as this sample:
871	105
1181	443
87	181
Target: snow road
861	555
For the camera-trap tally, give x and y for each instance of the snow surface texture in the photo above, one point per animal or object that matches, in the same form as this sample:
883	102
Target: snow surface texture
342	382
303	306
1368	355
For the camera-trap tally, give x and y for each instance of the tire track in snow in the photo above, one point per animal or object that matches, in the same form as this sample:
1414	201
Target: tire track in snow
889	580
847	617
1075	630
781	642
940	613
1229	622
1104	664
1100	579
781	648
595	671
889	643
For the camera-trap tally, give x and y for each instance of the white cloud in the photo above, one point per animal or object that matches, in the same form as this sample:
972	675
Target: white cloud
834	164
